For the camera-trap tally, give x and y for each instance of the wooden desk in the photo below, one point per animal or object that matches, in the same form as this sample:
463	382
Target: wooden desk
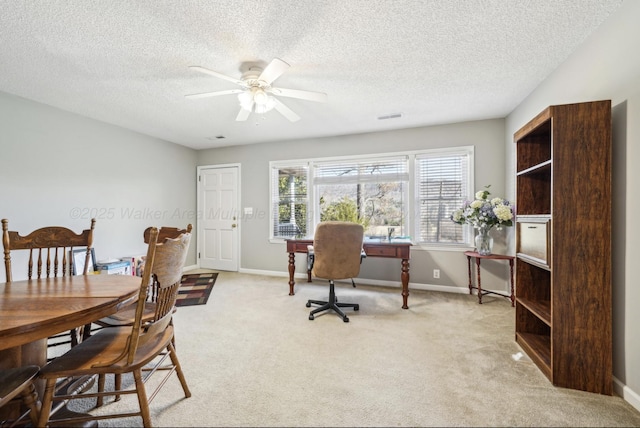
394	250
481	292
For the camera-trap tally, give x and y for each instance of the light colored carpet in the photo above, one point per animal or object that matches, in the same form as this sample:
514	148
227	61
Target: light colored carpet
252	358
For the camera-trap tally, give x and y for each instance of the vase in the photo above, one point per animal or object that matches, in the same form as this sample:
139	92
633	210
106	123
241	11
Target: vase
484	242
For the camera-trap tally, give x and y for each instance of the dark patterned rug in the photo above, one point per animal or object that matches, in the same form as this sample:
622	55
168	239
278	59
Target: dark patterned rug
195	288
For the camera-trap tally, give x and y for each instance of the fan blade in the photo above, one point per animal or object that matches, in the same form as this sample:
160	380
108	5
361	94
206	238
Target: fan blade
273	70
216	74
214	94
243	114
286	111
320	97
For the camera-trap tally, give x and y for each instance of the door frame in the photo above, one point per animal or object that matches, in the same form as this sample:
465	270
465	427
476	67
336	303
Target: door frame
201	213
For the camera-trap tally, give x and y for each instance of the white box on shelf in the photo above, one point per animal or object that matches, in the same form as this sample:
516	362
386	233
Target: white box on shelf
119	267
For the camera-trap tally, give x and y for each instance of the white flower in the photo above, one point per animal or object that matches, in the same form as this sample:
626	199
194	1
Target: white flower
484	212
503	212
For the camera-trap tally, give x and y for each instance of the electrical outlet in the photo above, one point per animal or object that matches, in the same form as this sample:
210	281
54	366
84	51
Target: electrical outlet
436	273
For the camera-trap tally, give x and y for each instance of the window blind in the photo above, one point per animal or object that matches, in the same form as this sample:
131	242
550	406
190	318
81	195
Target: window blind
289	201
442	185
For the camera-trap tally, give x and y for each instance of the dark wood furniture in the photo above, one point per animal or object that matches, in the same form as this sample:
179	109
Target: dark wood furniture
563	244
130	349
50	255
475	255
394	250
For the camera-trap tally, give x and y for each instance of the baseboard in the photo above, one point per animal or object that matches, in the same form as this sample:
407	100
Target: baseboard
627	394
188	268
366	281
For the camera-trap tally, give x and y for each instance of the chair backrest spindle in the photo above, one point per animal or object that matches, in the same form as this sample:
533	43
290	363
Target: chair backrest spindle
52	239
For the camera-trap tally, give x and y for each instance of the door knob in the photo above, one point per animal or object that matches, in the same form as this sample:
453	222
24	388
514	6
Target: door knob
233	225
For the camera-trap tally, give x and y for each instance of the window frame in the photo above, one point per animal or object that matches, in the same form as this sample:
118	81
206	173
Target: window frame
412	209
467	230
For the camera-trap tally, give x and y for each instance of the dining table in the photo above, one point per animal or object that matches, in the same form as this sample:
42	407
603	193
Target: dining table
33	310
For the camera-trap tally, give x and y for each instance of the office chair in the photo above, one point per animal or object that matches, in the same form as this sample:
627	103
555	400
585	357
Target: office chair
337	248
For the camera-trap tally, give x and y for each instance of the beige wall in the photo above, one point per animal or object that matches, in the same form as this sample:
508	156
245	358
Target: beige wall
607	66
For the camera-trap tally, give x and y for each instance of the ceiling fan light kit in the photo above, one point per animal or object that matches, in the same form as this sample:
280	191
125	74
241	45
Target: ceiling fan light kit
257	94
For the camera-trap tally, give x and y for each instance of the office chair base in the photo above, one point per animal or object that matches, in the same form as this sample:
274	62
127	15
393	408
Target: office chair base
332	304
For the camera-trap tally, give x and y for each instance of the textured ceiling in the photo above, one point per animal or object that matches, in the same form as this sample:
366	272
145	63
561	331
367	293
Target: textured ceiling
126	62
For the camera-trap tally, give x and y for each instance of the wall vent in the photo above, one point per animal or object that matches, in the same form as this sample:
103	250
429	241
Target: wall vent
390	116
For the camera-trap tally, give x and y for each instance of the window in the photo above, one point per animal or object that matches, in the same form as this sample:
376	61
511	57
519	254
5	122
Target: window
378	192
289	201
443	183
369	191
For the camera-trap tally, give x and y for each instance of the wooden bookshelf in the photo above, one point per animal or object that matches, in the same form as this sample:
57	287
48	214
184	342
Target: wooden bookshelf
563	270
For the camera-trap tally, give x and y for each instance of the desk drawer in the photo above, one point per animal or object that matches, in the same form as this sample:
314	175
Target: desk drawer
381	250
298	246
533	238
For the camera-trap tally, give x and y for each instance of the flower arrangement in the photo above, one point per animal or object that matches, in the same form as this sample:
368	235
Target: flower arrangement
484	213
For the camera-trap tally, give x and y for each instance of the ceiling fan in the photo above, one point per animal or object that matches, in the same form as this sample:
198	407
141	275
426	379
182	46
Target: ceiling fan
256	93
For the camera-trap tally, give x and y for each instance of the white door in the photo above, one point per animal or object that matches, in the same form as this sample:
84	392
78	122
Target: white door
218	227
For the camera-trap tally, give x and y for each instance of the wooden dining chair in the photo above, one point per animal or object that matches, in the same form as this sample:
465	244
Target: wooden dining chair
50	255
142	348
18	383
126	315
164	233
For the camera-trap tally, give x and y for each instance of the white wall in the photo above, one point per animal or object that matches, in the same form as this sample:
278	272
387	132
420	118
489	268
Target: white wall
257	254
61	169
607	66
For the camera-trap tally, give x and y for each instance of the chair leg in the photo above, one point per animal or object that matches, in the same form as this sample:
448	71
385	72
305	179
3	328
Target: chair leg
47	400
174	359
101	383
143	401
117	385
74	337
86	332
332	304
30	399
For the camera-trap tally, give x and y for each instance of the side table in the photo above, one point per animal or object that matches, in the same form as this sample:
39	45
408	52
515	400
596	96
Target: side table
481	292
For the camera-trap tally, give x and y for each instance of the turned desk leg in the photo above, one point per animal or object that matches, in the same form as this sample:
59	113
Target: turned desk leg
513	296
479	283
469	268
292	270
405	283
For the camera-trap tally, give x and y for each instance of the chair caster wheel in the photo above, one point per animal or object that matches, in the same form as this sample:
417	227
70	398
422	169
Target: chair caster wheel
311	317
356	308
345	319
308	304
